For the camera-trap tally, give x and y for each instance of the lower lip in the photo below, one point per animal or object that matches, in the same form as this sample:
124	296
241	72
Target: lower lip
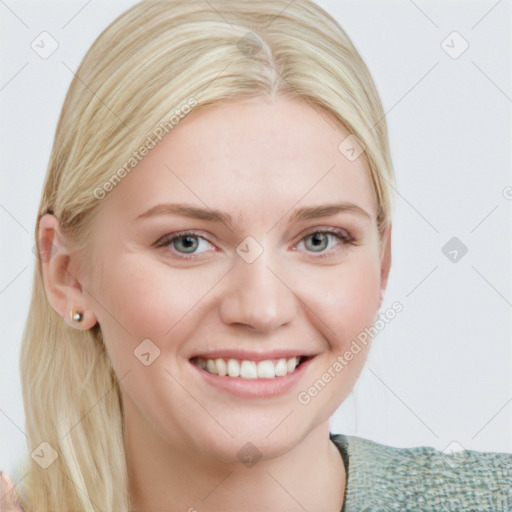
255	388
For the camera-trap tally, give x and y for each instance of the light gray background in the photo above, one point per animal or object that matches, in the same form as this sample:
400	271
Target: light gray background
441	371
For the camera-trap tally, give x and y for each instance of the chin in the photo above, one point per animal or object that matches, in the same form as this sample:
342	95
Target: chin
253	440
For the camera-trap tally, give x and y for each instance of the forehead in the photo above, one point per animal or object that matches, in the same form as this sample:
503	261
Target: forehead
252	157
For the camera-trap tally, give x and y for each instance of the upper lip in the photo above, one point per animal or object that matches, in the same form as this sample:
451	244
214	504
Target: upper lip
251	355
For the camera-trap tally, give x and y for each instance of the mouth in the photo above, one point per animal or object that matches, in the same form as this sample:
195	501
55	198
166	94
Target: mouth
252	374
250	368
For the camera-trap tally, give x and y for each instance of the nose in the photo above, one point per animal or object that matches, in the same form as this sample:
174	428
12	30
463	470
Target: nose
257	296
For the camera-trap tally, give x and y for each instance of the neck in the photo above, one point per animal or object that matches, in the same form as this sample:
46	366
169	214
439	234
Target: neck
311	476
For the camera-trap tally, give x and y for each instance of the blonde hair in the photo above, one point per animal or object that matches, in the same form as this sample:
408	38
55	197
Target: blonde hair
152	60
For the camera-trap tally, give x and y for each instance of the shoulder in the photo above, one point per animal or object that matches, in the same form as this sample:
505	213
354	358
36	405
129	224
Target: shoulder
423	478
8	499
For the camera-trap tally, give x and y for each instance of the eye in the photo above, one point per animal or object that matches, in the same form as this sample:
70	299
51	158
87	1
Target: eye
321	240
186	244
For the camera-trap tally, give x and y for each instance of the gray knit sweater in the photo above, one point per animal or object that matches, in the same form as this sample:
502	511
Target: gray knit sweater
382	478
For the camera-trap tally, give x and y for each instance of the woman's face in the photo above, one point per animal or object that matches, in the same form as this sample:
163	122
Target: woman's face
257	282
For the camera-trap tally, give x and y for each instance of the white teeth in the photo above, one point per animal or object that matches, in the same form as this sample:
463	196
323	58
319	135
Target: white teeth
233	368
282	368
291	364
249	369
266	370
211	366
222	367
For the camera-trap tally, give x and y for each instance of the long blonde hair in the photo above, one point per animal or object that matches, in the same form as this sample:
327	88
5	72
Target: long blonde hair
138	74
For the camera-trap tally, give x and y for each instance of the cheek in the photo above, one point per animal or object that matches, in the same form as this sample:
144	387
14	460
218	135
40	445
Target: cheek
360	303
344	298
346	302
143	298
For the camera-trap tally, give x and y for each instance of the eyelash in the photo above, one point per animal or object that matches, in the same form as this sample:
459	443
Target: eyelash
343	235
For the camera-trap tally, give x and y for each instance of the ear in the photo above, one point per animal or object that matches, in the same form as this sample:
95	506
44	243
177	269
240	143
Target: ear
58	264
385	258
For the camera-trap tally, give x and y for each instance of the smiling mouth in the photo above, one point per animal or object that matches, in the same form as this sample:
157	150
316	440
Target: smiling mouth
247	369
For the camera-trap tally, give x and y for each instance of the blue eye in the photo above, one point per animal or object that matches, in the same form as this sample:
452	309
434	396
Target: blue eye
184	243
323	242
187	242
318	241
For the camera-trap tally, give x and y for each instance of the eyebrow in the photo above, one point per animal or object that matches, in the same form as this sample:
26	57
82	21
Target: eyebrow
214	215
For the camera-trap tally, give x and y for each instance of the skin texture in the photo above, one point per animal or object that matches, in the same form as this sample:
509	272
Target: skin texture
258	160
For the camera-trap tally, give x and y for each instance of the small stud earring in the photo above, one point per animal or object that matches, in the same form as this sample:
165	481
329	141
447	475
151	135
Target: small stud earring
77	316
